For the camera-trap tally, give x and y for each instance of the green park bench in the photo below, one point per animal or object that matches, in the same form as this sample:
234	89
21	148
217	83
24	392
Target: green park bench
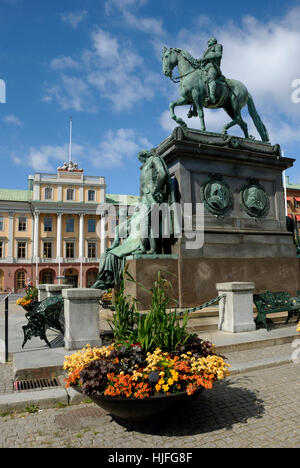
45	314
273	302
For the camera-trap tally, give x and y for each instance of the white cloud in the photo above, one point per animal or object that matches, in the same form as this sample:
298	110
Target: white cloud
64	62
72	93
111	4
265	57
115	148
144	24
111	68
12	119
74	19
43	158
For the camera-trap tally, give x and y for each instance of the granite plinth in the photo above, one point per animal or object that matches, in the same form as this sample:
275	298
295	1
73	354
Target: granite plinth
144	270
236	246
194	279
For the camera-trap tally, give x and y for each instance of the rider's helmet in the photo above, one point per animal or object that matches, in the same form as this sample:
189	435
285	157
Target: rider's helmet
211	41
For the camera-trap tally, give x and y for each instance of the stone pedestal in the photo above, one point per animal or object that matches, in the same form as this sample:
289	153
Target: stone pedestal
242	235
56	289
234	223
236	308
144	269
81	307
51	290
42	293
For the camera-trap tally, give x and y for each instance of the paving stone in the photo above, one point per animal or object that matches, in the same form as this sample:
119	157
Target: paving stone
257	409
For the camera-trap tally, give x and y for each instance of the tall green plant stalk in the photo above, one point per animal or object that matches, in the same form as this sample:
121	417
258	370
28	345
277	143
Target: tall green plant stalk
125	316
160	328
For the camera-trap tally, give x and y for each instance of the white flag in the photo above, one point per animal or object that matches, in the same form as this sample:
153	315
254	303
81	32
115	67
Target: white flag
2	92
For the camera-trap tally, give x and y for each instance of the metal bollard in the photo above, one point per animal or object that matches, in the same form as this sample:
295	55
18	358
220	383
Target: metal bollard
6	329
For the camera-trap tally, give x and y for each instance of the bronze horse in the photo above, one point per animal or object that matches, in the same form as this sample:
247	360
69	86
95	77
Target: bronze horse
232	95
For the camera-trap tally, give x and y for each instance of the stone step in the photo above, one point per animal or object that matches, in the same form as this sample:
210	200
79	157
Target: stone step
236	342
208	318
203	323
107	314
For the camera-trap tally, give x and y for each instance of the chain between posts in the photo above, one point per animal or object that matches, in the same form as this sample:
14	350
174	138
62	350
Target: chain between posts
203	306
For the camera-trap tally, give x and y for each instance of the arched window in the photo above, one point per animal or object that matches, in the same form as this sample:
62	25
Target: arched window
47	277
1	281
91	278
20	280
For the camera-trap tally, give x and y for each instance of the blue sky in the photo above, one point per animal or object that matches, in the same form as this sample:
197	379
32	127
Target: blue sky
99	61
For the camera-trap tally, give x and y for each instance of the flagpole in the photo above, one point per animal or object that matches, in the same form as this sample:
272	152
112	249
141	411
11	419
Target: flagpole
70	144
284	188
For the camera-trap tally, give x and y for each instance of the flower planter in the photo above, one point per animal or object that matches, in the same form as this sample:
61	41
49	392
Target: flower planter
29	307
137	410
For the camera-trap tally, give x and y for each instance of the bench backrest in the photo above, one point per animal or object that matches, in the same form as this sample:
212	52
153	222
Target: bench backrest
272	300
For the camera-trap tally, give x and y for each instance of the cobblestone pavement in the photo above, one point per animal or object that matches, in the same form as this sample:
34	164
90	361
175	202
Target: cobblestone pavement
257	409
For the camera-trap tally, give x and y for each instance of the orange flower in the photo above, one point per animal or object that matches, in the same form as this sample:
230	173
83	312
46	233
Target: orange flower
190	389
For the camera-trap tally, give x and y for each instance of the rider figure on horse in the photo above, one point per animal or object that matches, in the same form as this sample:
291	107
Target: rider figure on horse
211	62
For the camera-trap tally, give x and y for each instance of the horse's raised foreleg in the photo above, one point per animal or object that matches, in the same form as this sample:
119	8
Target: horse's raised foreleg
182	101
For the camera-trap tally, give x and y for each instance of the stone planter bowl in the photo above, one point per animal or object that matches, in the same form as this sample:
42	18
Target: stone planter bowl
137	410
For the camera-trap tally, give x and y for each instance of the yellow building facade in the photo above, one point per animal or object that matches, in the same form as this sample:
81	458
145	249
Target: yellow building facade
56	230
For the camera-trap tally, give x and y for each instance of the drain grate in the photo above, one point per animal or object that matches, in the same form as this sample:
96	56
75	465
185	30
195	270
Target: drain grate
24	385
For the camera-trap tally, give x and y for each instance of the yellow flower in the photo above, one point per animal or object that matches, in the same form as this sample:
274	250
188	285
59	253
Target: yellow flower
170	381
165	388
174	375
157	387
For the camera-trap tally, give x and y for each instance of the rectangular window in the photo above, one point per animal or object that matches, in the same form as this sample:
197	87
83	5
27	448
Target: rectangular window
297	202
70	194
22	224
91	195
47	249
48	224
70	251
1	223
1	249
48	193
21	249
91	225
92	250
70	225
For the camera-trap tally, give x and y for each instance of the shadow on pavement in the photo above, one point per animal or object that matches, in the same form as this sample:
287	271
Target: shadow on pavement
228	403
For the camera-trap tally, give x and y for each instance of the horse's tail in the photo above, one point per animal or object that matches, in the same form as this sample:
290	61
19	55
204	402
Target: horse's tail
257	120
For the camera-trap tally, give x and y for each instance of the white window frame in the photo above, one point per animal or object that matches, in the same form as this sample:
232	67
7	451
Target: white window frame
93	191
26	223
73	219
46	241
19	241
48	217
51	193
92	241
74	249
95	220
70	190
